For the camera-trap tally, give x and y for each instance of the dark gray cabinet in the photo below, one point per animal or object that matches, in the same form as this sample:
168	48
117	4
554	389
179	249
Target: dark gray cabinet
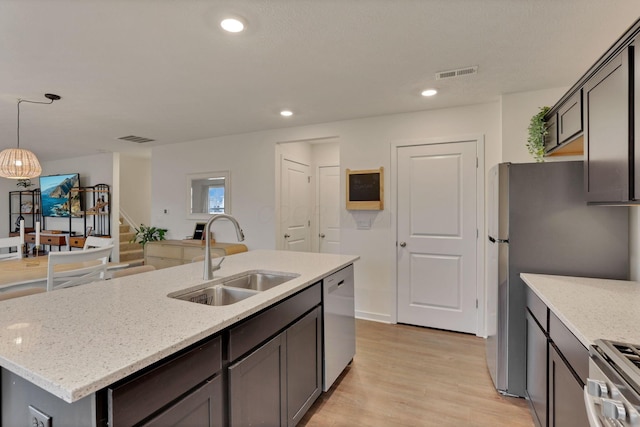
257	386
182	388
201	407
566	399
607	137
276	362
570	118
277	383
537	365
557	367
304	365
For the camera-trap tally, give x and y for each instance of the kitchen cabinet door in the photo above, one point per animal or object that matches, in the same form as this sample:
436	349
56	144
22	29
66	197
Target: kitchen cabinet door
537	363
257	386
566	399
202	407
304	365
570	118
606	135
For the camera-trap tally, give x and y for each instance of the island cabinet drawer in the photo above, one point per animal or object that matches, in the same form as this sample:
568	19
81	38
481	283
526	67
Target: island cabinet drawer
570	347
538	309
250	333
136	398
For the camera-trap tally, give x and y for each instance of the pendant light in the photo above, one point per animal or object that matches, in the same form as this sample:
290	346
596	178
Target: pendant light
18	163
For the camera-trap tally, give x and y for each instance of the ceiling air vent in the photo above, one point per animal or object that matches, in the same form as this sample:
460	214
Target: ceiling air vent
138	139
460	72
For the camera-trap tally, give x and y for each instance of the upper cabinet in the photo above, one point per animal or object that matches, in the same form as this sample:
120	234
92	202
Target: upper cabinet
599	117
570	118
607	138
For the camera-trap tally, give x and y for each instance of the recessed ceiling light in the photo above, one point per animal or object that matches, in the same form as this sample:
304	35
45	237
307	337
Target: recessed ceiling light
429	92
286	113
232	25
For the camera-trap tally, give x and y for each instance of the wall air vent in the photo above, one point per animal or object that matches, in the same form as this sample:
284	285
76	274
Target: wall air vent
138	139
460	72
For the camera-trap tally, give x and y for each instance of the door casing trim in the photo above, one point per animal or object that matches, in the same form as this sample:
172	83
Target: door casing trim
480	220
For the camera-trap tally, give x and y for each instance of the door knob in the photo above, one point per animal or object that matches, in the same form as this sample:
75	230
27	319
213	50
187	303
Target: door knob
321	235
403	244
286	236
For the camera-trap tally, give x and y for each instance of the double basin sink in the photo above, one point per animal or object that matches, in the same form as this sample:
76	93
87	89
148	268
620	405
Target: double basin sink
230	290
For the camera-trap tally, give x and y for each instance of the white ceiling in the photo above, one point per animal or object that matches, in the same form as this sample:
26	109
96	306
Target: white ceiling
163	69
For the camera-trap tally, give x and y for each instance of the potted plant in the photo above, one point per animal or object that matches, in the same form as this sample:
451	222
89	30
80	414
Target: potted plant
537	132
146	234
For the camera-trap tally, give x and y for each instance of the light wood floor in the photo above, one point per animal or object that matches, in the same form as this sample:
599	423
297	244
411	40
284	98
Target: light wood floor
410	376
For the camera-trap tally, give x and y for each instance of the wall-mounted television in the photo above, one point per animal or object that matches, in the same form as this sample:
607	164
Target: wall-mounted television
60	195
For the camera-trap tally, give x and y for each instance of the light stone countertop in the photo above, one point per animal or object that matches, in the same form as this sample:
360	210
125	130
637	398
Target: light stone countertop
73	342
591	308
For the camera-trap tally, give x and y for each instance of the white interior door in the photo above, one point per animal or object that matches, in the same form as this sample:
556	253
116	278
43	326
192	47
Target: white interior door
294	206
437	235
329	209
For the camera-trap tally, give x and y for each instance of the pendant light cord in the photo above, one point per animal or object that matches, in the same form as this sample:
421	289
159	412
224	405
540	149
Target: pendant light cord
52	98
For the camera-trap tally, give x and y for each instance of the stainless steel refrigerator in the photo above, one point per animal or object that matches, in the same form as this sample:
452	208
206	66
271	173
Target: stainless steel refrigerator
539	222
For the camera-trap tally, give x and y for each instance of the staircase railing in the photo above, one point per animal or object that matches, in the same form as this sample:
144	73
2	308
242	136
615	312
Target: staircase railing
127	219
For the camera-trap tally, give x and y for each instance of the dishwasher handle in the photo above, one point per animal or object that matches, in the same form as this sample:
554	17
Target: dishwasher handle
335	287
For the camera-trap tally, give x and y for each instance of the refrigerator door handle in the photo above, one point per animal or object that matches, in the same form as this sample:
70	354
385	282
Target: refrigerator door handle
492	240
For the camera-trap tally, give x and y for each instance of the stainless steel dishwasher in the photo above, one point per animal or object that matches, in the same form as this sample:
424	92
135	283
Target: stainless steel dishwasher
339	323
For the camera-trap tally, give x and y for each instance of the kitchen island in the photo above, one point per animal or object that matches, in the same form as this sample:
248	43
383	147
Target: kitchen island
74	343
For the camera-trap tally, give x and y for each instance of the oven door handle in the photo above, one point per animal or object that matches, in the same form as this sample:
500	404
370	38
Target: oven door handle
590	404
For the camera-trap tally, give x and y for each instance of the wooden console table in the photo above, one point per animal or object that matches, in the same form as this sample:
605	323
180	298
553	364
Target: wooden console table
47	239
169	253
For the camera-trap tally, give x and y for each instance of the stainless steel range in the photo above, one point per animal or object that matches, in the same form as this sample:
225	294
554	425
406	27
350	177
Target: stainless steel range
612	393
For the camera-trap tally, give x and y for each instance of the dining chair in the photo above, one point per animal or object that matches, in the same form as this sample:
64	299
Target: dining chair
77	268
10	243
97	242
132	270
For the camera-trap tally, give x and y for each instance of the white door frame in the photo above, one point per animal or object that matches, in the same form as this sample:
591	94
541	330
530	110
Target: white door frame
480	221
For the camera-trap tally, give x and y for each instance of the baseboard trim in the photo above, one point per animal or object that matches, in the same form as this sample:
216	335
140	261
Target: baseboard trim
375	317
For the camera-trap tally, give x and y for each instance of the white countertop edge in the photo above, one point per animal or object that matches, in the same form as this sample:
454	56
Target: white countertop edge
584	305
269	297
529	279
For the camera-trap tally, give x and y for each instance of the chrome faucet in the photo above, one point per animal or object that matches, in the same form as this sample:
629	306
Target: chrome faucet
209	268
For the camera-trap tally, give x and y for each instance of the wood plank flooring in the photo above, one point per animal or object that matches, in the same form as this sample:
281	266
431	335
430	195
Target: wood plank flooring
410	376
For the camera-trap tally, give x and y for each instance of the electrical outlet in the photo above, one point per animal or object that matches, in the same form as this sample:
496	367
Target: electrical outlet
37	418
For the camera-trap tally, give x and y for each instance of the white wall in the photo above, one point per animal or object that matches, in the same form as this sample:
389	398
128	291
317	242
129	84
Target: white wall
364	144
250	161
135	188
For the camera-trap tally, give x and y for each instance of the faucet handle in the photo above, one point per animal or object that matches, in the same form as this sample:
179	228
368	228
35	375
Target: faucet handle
218	265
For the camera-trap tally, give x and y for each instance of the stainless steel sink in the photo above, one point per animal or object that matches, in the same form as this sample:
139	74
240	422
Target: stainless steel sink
230	290
258	281
216	295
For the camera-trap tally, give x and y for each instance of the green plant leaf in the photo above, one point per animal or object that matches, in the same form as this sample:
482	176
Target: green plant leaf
144	234
537	131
